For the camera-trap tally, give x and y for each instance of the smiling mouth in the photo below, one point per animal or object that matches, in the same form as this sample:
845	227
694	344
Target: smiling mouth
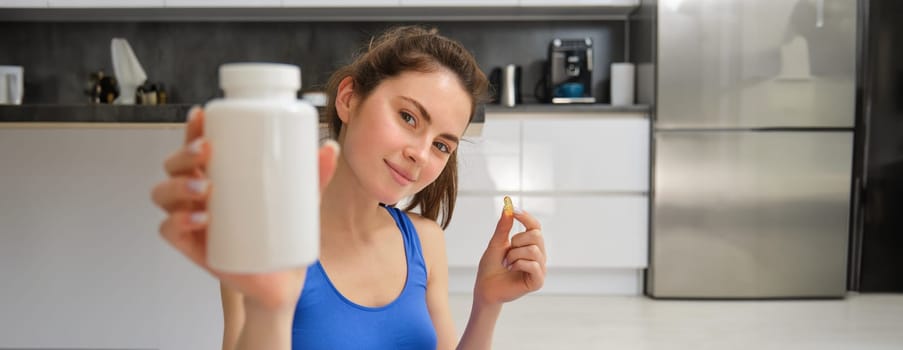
399	176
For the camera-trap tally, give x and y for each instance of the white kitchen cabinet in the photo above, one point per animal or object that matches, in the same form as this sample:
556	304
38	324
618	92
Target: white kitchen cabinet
491	161
223	3
593	231
82	263
586	154
104	3
584	177
472	226
460	3
340	3
554	3
23	3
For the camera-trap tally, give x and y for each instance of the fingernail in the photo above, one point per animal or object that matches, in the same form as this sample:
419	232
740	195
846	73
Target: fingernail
197	185
509	267
196	146
518	211
505	262
198	217
193	112
332	144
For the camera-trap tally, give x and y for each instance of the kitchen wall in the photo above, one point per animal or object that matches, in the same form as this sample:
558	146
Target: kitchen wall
59	56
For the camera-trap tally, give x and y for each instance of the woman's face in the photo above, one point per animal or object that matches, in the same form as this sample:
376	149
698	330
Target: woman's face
398	140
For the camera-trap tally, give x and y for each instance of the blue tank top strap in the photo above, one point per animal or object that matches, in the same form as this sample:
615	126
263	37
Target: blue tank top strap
411	241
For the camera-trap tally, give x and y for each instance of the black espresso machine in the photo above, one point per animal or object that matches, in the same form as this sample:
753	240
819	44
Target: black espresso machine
570	71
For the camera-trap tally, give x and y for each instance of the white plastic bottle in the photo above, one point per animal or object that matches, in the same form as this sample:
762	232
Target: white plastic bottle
264	204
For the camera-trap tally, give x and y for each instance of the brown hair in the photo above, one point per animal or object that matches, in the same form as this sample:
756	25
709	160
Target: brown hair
413	48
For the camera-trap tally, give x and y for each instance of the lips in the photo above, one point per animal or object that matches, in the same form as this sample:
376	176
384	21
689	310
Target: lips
400	176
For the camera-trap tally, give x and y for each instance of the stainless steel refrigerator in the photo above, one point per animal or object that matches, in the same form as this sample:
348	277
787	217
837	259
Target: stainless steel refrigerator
753	142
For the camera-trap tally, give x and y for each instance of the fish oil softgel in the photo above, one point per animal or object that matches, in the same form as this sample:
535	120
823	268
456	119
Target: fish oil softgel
509	206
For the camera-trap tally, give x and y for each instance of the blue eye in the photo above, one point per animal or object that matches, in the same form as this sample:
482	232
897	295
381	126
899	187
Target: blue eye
442	147
408	118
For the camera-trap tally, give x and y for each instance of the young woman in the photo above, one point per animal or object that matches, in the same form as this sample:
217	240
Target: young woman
381	282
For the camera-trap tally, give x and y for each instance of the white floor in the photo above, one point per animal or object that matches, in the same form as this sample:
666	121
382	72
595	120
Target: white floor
866	321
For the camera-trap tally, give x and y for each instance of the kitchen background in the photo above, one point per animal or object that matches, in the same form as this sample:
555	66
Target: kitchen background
80	257
185	56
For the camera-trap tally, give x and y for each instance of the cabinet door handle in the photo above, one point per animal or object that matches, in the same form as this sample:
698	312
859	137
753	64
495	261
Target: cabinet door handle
820	13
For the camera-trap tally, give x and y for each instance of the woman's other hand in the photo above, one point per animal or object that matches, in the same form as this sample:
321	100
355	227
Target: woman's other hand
511	267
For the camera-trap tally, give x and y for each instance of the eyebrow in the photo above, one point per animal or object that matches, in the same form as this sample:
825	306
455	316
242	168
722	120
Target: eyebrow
426	115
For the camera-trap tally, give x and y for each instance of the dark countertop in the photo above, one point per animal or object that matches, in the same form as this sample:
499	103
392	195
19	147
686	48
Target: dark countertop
102	113
567	108
176	113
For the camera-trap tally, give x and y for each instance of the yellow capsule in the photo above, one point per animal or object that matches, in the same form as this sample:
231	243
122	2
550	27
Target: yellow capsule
509	206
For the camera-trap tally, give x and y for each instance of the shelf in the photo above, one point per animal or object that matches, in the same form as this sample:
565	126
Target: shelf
317	14
102	113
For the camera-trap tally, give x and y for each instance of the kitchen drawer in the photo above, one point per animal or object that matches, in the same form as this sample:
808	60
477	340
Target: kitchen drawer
593	231
570	154
491	161
472	226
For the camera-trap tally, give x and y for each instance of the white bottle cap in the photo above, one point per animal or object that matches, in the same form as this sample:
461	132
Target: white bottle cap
316	98
259	75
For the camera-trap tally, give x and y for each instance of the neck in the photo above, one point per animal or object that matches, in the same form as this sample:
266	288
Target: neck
347	212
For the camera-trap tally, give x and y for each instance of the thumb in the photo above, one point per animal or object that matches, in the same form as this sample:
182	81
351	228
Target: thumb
328	158
503	228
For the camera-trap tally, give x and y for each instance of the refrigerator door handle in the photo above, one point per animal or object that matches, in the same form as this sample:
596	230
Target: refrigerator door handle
856	234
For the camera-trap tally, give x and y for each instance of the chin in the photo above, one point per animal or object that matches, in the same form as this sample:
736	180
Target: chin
399	199
389	197
388	192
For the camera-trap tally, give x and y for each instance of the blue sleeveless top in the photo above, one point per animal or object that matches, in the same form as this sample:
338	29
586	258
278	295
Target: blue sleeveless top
325	319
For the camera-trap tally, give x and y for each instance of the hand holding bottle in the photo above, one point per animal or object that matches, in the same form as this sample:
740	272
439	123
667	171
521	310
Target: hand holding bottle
184	196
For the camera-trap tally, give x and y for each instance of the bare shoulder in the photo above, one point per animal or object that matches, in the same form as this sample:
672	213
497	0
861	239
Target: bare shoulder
429	231
432	240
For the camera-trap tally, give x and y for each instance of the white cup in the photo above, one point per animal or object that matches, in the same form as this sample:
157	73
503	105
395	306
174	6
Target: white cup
622	83
12	84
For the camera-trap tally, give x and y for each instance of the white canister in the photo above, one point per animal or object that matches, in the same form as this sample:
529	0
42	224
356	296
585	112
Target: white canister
12	84
264	203
622	83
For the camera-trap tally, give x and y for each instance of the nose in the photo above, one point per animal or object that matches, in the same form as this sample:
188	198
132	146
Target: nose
418	150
